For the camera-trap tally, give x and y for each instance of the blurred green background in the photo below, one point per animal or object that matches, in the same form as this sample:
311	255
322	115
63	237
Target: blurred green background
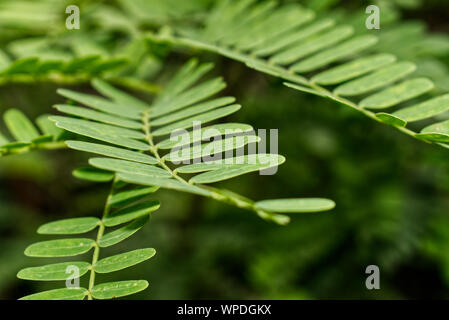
392	192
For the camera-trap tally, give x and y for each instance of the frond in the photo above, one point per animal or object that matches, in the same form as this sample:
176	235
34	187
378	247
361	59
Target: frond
143	143
125	207
321	58
407	40
24	136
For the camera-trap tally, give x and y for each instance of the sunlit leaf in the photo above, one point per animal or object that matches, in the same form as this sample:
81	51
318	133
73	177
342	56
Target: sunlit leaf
69	226
20	126
124	197
130	213
123	260
118	289
93	174
124	166
376	80
296	205
60	248
110	151
116	236
53	272
59	294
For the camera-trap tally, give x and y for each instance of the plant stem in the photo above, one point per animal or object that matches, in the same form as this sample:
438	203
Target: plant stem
100	233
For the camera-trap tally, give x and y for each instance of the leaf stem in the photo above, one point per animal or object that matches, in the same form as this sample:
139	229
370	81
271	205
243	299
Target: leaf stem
100	233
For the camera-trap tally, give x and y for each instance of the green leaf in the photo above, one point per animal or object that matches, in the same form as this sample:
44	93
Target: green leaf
69	226
20	126
101	104
196	109
93	174
128	196
53	272
293	37
276	24
98	116
438	132
339	52
118	95
296	205
113	152
234	170
59	294
88	131
312	45
123	260
205	133
434	137
424	110
125	166
185	77
123	233
397	94
201	119
353	69
101	128
233	34
376	80
130	213
60	248
391	119
191	96
118	289
163	183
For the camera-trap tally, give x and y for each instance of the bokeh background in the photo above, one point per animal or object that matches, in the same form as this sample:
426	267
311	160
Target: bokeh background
392	192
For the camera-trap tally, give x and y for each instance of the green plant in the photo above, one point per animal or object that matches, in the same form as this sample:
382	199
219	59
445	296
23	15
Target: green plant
127	129
285	42
130	135
126	210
